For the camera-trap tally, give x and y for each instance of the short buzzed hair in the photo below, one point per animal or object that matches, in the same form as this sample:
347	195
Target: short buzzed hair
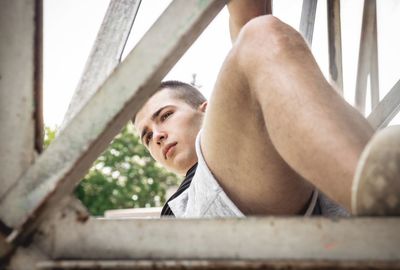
184	91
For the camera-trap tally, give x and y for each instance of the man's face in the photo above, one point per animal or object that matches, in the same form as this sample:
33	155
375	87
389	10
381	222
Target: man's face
168	127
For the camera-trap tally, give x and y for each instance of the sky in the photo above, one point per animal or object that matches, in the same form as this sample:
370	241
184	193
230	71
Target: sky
70	28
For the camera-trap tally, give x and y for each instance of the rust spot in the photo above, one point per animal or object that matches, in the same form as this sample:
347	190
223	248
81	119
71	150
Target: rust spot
329	246
81	216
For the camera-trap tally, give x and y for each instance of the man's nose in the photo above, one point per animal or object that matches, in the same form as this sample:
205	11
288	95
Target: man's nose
160	136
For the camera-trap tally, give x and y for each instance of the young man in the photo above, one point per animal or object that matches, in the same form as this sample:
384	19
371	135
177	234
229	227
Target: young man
273	133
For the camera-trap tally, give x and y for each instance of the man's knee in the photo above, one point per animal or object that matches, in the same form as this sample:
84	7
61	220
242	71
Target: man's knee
266	38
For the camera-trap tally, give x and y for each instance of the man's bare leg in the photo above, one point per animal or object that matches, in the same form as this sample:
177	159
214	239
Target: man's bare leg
273	121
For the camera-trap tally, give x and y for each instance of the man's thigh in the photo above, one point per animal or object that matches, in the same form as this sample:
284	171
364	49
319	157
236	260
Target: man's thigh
240	154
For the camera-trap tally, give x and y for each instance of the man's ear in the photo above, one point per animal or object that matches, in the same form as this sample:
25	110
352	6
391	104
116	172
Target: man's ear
203	106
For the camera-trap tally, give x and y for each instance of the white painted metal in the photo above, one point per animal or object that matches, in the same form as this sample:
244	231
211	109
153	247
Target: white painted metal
105	55
70	235
65	162
26	258
245	239
17	68
366	55
106	52
335	44
387	109
150	212
307	19
374	69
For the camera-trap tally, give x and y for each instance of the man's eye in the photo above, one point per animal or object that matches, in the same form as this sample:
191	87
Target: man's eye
165	116
148	137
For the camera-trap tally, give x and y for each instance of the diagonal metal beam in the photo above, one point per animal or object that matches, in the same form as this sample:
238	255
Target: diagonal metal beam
67	159
368	52
335	44
268	238
106	52
105	55
387	109
307	19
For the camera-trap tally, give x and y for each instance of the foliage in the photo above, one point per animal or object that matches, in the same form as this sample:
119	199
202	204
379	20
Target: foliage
124	176
49	136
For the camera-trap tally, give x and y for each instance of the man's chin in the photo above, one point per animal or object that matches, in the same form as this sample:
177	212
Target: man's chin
178	167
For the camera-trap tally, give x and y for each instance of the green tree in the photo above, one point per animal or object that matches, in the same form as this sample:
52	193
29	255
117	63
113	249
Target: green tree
124	176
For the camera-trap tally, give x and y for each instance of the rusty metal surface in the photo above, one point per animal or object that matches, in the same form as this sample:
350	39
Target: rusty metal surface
5	247
38	77
367	239
217	264
17	69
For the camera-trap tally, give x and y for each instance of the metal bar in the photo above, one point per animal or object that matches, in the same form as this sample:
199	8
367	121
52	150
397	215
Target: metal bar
214	264
25	258
308	19
106	52
364	63
38	77
5	247
268	238
387	109
335	44
374	68
67	159
18	66
269	7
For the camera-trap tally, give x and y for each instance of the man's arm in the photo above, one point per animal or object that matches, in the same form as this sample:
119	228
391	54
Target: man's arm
242	11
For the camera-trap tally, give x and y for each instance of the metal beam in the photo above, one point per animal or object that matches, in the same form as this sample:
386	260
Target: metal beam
105	56
335	44
366	54
268	238
261	243
67	159
214	264
26	258
20	77
38	77
374	68
307	19
106	52
387	109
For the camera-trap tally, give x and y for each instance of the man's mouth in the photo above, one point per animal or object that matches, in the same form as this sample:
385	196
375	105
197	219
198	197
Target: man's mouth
168	149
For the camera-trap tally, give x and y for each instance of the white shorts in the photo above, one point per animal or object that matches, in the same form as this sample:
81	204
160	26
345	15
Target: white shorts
206	198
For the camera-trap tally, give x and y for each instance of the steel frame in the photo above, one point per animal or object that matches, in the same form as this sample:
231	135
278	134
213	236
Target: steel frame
40	200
